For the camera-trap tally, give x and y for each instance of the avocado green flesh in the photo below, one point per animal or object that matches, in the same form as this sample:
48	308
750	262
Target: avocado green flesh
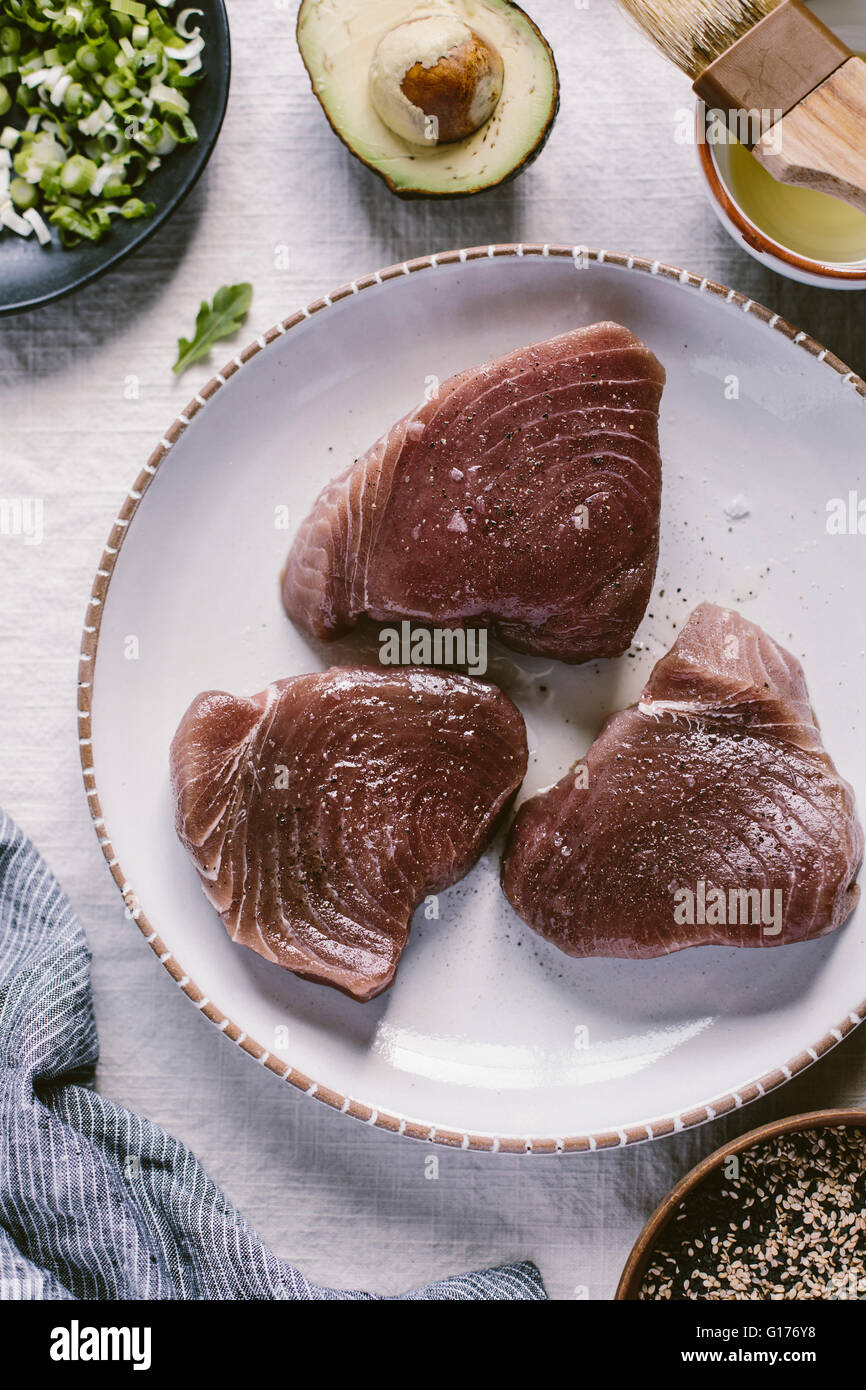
337	39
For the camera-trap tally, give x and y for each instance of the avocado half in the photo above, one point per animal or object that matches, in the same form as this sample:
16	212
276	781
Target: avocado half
337	40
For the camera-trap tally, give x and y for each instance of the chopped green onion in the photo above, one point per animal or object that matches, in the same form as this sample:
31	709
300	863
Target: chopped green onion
114	87
97	120
76	99
87	58
96	92
77	174
50	183
60	88
134	207
31	64
23	194
10	39
130	7
43	236
189	50
169	99
9	217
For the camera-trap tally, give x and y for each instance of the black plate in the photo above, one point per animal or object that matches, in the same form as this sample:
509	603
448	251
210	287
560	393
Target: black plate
31	274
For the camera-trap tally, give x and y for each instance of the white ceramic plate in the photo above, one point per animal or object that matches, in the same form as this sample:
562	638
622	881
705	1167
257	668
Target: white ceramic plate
490	1037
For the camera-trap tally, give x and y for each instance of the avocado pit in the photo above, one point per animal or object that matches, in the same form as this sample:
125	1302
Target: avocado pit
435	80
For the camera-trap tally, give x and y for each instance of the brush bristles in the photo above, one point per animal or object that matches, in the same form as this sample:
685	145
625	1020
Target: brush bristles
693	33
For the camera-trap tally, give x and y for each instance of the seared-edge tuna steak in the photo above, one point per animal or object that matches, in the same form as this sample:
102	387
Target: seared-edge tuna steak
708	813
523	497
322	811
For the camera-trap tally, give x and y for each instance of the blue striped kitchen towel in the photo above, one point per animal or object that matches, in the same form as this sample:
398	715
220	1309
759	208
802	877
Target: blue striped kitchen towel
96	1202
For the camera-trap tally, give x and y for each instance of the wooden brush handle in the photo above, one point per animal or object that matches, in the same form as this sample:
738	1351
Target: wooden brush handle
821	142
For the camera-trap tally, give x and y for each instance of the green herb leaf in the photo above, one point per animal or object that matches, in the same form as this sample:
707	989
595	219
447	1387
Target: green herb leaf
229	310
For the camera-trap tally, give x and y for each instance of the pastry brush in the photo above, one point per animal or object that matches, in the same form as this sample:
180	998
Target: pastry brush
773	61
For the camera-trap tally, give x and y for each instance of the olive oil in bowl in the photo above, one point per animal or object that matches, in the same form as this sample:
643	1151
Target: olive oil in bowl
810	224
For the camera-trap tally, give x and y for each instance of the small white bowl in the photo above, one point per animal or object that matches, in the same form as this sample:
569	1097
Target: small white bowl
756	220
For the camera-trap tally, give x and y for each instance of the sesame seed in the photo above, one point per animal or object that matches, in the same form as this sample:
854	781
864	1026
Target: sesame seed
791	1225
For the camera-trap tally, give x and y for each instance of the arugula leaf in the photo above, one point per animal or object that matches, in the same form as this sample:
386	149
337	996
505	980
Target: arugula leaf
229	310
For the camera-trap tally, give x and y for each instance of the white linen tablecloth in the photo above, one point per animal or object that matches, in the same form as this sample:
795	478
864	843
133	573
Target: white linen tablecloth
87	390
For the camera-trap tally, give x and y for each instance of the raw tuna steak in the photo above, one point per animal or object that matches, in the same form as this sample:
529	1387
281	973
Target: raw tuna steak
524	497
708	813
321	812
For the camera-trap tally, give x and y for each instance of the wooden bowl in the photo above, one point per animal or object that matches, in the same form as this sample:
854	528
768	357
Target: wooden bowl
646	1243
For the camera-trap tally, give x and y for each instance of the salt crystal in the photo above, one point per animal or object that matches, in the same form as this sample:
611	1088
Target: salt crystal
738	507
